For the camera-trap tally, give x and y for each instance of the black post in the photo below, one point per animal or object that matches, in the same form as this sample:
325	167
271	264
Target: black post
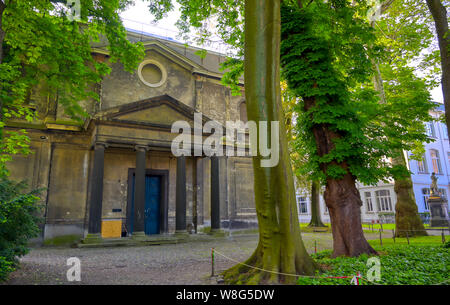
215	194
96	187
139	191
194	194
180	213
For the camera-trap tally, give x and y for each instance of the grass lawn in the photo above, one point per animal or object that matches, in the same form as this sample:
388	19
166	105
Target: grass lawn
425	261
304	228
420	240
377	226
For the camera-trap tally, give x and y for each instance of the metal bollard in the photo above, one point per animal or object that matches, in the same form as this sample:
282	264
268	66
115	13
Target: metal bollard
381	241
443	236
212	262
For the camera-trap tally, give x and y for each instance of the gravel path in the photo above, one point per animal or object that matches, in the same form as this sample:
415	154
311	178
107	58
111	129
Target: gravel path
185	263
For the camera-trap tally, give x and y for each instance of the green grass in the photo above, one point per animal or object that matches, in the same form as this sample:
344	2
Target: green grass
377	226
424	262
421	240
305	228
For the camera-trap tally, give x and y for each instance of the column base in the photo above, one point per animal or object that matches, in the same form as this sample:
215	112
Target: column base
218	232
92	238
181	232
139	235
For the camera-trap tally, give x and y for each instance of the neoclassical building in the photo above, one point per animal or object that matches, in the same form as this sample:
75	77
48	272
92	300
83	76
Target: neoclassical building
115	175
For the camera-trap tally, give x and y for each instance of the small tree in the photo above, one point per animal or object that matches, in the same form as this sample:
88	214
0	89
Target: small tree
42	46
18	222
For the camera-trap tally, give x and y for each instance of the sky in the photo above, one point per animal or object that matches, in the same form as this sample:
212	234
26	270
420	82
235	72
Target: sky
138	18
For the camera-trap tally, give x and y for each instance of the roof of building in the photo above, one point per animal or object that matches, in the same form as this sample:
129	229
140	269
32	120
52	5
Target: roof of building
440	107
210	62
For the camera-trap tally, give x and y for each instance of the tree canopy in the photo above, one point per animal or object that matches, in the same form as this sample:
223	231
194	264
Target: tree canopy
43	46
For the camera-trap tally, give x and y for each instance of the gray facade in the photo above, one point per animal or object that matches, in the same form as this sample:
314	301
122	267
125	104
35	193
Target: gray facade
93	171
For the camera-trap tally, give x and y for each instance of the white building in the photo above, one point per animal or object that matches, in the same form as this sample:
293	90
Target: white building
379	201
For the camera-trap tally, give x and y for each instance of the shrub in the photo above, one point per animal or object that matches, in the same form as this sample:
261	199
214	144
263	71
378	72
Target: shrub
18	222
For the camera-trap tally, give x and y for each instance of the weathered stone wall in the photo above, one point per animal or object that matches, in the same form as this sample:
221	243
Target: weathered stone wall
67	191
63	159
122	87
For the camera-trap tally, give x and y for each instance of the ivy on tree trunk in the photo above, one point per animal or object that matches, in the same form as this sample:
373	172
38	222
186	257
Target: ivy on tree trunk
407	219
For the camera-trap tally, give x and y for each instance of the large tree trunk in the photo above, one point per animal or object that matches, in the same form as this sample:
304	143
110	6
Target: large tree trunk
280	248
316	221
439	14
407	219
341	197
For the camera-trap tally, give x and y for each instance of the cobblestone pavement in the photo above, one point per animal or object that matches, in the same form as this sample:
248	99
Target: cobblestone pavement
184	263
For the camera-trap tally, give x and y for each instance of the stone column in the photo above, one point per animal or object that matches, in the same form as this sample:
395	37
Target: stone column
181	200
96	194
139	192
215	194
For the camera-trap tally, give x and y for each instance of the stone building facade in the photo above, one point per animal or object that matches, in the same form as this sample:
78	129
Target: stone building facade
115	175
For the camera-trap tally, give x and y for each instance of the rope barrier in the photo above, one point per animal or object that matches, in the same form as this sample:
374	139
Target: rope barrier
354	279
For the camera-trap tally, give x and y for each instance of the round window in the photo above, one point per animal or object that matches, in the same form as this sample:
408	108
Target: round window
152	73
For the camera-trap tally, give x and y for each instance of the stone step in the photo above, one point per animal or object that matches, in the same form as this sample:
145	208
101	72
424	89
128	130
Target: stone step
129	242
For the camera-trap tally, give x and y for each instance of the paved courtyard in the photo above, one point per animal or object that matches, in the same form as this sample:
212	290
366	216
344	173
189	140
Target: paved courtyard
184	263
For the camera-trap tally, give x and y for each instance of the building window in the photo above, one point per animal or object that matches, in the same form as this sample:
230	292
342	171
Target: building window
429	127
448	155
422	165
152	73
243	112
435	161
445	131
425	195
369	205
384	202
302	205
325	208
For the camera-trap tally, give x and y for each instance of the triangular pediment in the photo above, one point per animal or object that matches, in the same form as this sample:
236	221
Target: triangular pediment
161	111
159	114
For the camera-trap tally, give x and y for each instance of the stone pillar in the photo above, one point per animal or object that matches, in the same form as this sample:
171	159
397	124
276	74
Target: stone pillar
181	200
96	193
215	194
139	192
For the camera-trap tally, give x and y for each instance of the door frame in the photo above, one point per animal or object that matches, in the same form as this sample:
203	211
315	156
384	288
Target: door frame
164	197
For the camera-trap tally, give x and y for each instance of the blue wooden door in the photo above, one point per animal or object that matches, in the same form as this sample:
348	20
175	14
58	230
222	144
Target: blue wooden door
152	204
152	200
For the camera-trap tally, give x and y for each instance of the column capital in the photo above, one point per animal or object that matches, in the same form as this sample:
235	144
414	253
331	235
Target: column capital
99	144
140	147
